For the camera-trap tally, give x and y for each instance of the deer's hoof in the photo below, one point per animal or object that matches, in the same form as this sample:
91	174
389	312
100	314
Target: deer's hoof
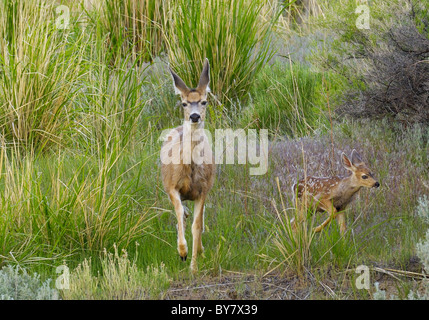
183	258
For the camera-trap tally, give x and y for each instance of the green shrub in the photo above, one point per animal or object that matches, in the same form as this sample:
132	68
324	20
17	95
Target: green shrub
17	284
385	64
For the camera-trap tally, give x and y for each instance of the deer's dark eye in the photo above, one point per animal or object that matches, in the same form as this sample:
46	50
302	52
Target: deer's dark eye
364	176
184	104
204	103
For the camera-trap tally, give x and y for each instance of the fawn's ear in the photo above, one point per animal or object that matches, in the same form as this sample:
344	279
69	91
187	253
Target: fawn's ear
356	159
179	86
346	162
203	84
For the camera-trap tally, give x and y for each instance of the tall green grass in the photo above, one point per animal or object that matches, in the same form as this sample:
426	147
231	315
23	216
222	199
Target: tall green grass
41	69
234	35
132	26
58	206
286	99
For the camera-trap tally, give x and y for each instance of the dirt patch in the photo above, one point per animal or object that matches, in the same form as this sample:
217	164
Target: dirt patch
238	286
326	285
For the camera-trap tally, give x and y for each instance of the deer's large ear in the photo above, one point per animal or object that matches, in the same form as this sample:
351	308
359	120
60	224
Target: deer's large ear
346	162
179	86
356	159
203	84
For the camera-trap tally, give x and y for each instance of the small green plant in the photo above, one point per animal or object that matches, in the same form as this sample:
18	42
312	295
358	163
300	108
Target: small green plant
17	284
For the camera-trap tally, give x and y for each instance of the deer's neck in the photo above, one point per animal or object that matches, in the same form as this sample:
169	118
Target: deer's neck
348	187
190	127
194	135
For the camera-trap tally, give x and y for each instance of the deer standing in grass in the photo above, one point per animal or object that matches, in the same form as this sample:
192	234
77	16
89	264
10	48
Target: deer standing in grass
191	176
333	194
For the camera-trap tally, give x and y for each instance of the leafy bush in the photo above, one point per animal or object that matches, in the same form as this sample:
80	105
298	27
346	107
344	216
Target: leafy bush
17	284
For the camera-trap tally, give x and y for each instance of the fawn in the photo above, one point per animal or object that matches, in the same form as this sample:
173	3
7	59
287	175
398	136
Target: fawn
188	178
335	193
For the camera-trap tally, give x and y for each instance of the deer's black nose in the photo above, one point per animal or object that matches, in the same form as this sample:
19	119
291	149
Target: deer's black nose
195	117
376	185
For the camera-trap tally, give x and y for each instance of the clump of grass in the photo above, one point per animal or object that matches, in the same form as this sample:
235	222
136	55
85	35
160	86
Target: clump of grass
111	108
119	279
41	67
234	35
292	237
132	26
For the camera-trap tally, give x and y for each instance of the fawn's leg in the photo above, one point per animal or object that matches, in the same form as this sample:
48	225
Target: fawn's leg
197	230
341	219
182	247
332	212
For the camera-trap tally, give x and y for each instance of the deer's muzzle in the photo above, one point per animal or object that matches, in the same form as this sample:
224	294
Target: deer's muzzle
195	117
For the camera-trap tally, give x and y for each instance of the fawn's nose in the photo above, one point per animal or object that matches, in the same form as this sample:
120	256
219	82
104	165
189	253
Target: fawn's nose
195	117
376	184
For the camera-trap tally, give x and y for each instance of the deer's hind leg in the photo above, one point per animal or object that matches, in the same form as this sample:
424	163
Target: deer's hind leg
197	230
182	246
332	213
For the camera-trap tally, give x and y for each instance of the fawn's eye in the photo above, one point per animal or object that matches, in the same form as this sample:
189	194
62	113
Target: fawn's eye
184	104
364	176
204	103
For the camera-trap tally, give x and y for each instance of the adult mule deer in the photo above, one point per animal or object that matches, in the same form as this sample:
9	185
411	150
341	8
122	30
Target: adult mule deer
187	162
333	194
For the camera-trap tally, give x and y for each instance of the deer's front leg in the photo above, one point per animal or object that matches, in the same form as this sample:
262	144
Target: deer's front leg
332	212
341	219
197	230
182	247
